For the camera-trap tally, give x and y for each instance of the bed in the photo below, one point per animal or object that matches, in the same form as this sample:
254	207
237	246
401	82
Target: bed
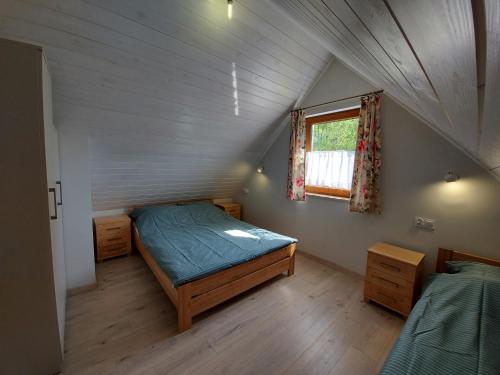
202	256
455	326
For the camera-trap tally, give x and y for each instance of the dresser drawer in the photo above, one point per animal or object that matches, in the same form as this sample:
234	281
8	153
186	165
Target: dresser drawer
388	298
391	267
389	281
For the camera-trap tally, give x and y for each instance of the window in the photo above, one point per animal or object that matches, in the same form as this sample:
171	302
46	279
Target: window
330	151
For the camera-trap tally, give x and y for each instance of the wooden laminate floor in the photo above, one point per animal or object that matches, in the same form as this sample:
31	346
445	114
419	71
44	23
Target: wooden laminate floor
314	322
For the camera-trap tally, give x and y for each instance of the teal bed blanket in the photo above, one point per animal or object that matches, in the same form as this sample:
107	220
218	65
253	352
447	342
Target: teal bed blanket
195	240
455	326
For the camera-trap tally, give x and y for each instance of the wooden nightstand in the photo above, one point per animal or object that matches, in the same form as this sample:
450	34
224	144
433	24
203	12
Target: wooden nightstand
393	277
112	236
232	208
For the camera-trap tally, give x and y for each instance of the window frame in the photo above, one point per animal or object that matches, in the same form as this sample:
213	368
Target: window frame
325	118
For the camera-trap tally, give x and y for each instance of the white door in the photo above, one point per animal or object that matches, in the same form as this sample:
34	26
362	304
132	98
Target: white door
55	201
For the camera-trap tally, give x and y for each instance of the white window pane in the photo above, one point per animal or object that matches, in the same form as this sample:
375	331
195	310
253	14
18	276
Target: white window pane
330	168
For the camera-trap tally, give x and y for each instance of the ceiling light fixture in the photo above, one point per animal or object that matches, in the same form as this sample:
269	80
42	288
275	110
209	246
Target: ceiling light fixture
451	176
229	9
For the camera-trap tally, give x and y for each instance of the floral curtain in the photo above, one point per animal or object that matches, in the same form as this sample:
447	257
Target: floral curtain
366	176
296	157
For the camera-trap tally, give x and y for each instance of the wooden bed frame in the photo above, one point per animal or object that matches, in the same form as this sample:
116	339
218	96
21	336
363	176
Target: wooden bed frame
199	295
445	255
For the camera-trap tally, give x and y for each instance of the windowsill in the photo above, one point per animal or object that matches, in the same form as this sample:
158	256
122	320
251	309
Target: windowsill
328	197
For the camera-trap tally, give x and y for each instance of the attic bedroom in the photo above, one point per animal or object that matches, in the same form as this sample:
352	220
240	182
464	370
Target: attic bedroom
250	187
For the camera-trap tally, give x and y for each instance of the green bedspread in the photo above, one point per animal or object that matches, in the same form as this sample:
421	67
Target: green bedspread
455	326
192	241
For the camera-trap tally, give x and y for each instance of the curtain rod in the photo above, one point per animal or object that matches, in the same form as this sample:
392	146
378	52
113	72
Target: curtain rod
338	100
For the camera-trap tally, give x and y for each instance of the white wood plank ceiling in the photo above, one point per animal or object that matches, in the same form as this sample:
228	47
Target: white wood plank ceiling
440	58
177	99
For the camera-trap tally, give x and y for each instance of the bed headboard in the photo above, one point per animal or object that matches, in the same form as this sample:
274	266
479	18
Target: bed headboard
184	201
445	255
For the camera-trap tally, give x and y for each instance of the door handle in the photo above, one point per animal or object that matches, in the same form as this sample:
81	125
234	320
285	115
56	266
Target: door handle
60	192
53	190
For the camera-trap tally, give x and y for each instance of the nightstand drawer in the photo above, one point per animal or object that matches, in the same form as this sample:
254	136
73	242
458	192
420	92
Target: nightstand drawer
391	266
393	276
389	281
231	208
235	212
112	229
113	239
121	247
388	298
112	250
112	236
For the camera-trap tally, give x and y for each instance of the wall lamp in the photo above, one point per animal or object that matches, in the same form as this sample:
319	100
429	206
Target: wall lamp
229	9
451	176
260	169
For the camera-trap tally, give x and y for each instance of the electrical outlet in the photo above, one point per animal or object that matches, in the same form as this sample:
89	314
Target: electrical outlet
425	223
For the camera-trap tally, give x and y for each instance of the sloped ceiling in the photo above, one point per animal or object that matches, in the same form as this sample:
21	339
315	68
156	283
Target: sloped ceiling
439	58
179	102
177	99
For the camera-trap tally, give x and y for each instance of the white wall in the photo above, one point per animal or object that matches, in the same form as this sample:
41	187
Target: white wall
78	237
415	159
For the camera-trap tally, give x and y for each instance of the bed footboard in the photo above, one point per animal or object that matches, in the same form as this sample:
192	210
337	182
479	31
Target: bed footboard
200	295
190	304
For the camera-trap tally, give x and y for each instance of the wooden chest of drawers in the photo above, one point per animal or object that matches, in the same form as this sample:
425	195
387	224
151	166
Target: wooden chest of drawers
112	236
232	208
393	277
